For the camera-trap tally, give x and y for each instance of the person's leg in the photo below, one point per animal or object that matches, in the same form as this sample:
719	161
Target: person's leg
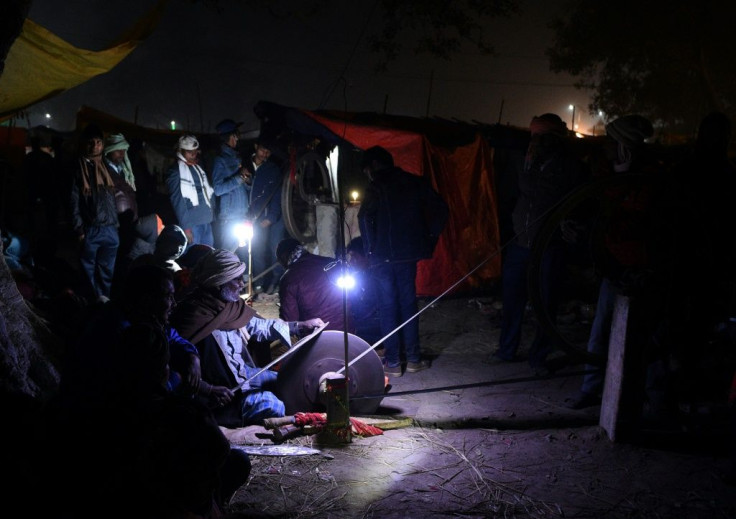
553	273
258	405
405	275
225	237
514	300
388	312
108	242
233	474
88	258
258	253
277	232
600	332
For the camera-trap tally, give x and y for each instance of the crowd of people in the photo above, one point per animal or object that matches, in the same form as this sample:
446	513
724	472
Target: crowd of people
167	341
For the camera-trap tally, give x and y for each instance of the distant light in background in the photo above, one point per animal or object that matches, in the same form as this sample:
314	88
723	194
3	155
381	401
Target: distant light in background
48	116
574	126
354	195
173	125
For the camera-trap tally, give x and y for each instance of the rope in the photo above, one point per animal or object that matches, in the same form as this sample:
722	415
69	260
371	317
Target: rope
452	287
478	384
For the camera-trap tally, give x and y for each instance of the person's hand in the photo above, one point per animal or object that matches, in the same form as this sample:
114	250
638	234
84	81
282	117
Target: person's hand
246	175
189	235
265	223
310	324
220	395
194	373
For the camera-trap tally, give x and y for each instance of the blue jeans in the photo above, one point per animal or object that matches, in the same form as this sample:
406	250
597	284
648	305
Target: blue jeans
202	234
99	250
515	297
264	246
257	402
397	302
600	333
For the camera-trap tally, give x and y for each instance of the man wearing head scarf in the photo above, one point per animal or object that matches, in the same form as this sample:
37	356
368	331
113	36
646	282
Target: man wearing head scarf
220	323
549	173
190	193
94	215
115	156
625	152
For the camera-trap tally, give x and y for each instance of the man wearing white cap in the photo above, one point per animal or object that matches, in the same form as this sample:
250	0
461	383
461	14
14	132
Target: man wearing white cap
191	193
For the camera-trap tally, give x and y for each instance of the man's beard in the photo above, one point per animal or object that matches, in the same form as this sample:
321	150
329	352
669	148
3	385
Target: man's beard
229	294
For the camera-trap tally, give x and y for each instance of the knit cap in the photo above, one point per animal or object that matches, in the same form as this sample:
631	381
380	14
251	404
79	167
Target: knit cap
630	130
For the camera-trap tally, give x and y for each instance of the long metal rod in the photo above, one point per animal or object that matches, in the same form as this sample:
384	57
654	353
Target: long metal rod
304	340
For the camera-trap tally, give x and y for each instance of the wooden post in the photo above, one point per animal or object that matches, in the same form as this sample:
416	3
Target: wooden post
614	380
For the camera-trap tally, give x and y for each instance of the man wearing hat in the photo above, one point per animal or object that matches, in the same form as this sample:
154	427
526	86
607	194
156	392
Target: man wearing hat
190	192
94	214
401	219
218	321
231	182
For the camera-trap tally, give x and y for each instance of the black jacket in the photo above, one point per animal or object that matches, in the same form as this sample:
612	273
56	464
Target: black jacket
401	217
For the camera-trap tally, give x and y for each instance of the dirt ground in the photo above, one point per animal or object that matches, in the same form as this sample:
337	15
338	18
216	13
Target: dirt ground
507	448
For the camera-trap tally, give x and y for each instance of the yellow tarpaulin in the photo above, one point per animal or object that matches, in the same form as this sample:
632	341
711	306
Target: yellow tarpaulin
40	65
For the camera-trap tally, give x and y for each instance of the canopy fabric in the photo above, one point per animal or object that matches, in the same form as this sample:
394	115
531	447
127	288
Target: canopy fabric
41	65
464	177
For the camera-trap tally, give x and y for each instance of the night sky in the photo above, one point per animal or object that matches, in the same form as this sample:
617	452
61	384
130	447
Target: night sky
201	66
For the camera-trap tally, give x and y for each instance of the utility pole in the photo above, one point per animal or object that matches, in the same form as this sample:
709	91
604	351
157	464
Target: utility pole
500	111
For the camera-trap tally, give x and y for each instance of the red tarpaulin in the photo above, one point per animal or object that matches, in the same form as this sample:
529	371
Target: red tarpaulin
463	175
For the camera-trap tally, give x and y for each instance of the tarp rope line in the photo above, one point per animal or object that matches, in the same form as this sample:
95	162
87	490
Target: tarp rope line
452	287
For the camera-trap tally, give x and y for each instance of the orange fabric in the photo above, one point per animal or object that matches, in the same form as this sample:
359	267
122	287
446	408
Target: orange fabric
464	177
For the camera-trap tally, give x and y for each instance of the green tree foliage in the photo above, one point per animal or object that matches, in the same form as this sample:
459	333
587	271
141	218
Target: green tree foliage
671	60
435	27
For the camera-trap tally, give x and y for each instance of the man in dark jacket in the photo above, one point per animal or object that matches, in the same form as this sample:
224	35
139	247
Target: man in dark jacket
400	220
308	288
265	213
94	214
551	171
231	180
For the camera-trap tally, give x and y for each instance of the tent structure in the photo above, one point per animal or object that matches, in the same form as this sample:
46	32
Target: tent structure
40	65
457	160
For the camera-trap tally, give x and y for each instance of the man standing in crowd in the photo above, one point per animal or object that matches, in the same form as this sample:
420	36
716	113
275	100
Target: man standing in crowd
550	172
265	213
190	193
94	214
231	181
400	219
